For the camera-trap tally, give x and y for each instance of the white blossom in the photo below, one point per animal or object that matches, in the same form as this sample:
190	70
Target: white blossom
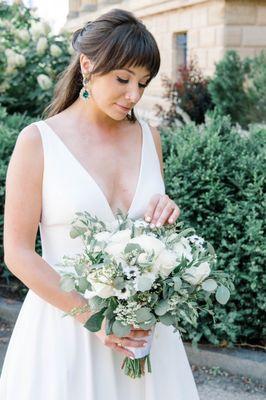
44	81
55	50
41	45
196	275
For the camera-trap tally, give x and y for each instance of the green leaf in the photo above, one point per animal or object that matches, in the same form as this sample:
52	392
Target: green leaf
94	324
143	314
209	285
97	303
222	294
161	308
167	319
119	283
83	284
177	282
148	324
67	283
120	330
132	247
77	231
144	283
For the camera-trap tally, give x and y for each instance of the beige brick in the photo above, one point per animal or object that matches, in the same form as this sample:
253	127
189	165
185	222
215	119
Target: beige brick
180	21
254	36
193	38
199	16
207	37
244	52
261	15
232	36
200	55
216	13
239	13
214	56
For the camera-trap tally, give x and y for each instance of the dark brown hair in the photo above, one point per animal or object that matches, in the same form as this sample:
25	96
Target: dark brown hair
112	41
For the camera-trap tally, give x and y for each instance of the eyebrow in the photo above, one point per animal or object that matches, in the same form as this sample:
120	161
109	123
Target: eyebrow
132	72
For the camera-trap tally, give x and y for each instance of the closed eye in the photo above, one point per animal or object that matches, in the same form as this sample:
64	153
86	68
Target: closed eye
124	81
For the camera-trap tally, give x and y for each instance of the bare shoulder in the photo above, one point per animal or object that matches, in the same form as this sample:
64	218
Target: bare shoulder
158	144
28	152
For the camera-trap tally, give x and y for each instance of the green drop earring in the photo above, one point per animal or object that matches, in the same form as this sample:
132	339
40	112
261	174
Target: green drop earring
84	92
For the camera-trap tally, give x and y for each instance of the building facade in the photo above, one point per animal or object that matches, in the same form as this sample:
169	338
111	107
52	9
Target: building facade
202	29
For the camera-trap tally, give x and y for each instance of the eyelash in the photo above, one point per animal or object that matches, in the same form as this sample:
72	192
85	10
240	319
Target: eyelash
126	81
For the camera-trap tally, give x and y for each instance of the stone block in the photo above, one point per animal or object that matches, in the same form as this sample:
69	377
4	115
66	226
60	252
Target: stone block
254	36
240	13
214	56
232	36
207	37
216	13
199	16
180	21
200	56
193	38
261	15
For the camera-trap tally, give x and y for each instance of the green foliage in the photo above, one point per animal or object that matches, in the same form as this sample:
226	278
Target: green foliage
10	126
238	88
31	58
216	175
188	94
256	86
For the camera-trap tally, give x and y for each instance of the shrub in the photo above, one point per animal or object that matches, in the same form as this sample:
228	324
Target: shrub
31	58
216	176
10	126
189	94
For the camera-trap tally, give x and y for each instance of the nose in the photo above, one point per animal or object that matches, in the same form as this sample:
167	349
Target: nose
133	95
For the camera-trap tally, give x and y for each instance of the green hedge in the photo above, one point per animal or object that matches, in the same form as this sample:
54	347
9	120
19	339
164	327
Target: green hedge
216	176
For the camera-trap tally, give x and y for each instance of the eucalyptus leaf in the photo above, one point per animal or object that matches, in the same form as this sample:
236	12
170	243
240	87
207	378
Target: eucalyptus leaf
119	283
161	308
177	282
148	324
167	319
67	283
209	285
132	247
97	303
83	284
94	323
120	330
144	283
77	231
143	314
222	294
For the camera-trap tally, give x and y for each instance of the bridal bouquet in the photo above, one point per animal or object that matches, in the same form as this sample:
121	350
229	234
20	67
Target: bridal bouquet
134	275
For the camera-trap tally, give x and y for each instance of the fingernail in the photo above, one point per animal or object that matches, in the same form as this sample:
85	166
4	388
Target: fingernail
152	225
171	220
148	219
158	224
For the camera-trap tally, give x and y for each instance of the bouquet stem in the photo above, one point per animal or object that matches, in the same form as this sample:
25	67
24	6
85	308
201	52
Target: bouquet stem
136	368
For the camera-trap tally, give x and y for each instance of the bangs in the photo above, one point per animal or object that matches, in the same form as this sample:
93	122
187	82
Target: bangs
131	46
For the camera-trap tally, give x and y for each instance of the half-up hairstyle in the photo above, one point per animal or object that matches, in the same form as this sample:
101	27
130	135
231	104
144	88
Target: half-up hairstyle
112	41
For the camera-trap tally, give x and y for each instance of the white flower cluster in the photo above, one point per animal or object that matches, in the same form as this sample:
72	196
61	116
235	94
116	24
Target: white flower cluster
126	314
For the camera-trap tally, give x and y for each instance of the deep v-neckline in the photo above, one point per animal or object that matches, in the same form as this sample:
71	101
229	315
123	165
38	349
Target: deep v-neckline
87	173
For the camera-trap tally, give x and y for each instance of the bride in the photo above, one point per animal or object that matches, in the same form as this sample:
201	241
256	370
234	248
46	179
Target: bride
91	153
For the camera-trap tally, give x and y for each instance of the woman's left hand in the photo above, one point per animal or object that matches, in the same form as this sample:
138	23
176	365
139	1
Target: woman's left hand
161	209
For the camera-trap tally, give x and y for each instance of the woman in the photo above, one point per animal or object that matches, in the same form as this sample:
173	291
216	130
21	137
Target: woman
93	154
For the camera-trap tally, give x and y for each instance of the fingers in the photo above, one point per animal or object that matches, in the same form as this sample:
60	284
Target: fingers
161	210
121	349
127	341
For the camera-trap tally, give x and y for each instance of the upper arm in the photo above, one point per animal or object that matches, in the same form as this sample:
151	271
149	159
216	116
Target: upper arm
23	192
158	145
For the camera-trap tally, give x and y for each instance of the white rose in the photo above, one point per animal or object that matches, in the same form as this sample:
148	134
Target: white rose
115	250
183	248
41	45
195	275
121	236
55	50
148	243
23	35
102	290
166	262
44	81
102	236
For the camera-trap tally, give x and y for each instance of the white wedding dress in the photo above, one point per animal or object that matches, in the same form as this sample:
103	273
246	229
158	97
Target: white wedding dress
55	358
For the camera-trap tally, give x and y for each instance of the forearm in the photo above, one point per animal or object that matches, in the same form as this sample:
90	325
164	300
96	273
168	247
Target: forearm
41	278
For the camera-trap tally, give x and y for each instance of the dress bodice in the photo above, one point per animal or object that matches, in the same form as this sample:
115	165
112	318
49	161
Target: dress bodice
69	188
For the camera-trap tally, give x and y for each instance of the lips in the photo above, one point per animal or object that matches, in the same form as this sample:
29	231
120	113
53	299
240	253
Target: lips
123	107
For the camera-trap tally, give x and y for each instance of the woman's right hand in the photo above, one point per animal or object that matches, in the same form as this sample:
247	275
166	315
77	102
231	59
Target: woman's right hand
120	343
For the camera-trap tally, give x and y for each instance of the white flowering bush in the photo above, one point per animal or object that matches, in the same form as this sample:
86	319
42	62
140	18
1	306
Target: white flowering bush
31	58
132	275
